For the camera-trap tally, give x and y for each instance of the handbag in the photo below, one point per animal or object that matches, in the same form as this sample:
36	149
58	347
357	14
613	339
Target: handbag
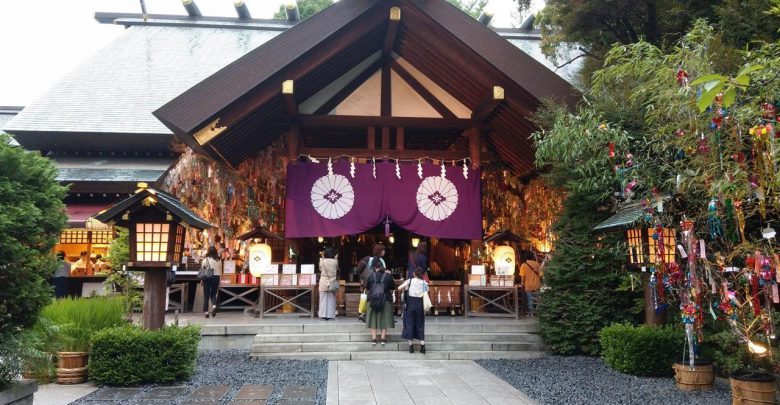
333	286
206	271
363	306
427	302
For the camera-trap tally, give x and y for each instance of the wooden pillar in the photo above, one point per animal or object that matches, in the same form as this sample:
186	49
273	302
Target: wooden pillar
475	146
155	290
399	139
293	143
385	138
371	138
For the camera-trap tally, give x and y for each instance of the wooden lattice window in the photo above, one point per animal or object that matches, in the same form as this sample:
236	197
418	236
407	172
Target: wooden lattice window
669	245
151	242
635	247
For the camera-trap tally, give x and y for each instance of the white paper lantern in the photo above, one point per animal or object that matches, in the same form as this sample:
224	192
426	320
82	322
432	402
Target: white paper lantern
259	258
504	260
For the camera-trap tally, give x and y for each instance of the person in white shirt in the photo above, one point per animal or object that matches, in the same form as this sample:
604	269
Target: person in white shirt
414	313
211	284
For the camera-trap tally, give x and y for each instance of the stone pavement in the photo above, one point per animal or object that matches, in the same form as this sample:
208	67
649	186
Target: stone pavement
418	382
56	394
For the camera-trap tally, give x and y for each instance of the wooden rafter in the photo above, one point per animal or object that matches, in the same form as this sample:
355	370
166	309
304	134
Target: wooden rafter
386	106
390	154
392	29
358	121
488	104
342	94
429	98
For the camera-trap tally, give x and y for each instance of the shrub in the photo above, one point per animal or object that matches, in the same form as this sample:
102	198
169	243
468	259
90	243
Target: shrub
39	344
10	361
642	350
79	318
584	283
130	355
31	217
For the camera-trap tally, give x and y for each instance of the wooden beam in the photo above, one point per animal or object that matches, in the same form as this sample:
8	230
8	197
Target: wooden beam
392	30
371	138
342	94
293	143
429	98
488	104
399	139
358	121
406	154
475	146
288	88
386	107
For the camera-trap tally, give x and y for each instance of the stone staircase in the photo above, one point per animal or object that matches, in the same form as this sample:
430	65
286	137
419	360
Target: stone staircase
347	340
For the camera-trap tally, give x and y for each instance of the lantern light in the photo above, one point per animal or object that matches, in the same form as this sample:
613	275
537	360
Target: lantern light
259	258
756	348
635	247
504	260
391	239
320	239
415	241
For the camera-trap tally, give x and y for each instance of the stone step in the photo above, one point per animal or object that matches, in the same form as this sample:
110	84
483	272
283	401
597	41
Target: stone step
510	326
507	337
400	355
462	346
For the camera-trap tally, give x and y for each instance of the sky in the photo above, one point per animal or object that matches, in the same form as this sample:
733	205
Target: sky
41	40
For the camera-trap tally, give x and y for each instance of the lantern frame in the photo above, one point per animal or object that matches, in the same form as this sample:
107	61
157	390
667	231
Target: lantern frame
642	248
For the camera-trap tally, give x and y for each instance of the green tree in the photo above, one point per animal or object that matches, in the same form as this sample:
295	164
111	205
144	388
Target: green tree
585	277
306	8
121	278
589	28
32	215
471	7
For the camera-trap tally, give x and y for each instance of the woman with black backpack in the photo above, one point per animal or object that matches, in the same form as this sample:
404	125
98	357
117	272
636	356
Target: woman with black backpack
379	287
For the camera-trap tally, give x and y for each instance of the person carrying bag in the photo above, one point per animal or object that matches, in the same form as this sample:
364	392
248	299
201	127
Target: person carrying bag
209	273
329	284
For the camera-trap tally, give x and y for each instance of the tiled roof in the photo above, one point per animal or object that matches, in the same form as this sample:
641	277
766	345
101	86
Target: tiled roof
6	115
116	90
625	218
111	168
164	199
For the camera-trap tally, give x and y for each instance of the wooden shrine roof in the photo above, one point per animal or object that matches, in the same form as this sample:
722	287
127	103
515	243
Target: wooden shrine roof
243	101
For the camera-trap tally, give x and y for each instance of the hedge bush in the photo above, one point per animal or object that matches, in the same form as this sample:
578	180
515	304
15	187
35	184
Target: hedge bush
130	355
642	350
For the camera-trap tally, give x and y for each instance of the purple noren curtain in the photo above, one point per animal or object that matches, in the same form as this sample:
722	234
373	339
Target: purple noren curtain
321	205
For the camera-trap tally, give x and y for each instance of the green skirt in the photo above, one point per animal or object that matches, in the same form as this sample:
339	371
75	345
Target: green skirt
380	319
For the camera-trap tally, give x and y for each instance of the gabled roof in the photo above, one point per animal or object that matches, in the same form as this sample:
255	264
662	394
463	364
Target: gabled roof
107	101
465	58
163	199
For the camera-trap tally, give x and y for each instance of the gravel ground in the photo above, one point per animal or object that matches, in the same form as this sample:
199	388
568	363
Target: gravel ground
236	368
587	380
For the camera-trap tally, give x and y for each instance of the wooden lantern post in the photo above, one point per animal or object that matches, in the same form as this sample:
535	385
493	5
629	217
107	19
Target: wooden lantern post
156	222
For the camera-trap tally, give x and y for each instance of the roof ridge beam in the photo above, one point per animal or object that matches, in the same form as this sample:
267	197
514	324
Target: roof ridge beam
288	89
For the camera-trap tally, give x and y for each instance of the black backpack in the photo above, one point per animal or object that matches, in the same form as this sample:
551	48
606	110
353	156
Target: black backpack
376	296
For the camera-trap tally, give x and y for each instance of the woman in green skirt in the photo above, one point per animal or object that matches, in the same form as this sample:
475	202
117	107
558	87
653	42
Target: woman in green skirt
380	318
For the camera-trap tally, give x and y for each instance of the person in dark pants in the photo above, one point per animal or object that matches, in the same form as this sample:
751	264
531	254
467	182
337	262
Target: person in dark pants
62	277
418	259
211	284
414	311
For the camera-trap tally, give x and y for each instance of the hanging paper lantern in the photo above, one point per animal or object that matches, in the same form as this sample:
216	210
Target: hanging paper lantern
259	258
504	260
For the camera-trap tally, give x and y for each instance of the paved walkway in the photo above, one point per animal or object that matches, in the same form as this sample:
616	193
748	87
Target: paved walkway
411	382
57	394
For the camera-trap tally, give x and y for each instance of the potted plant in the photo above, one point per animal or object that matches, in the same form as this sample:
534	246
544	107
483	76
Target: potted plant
78	319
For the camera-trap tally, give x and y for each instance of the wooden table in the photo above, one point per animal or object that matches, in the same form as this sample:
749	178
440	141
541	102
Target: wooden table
238	294
274	291
487	293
